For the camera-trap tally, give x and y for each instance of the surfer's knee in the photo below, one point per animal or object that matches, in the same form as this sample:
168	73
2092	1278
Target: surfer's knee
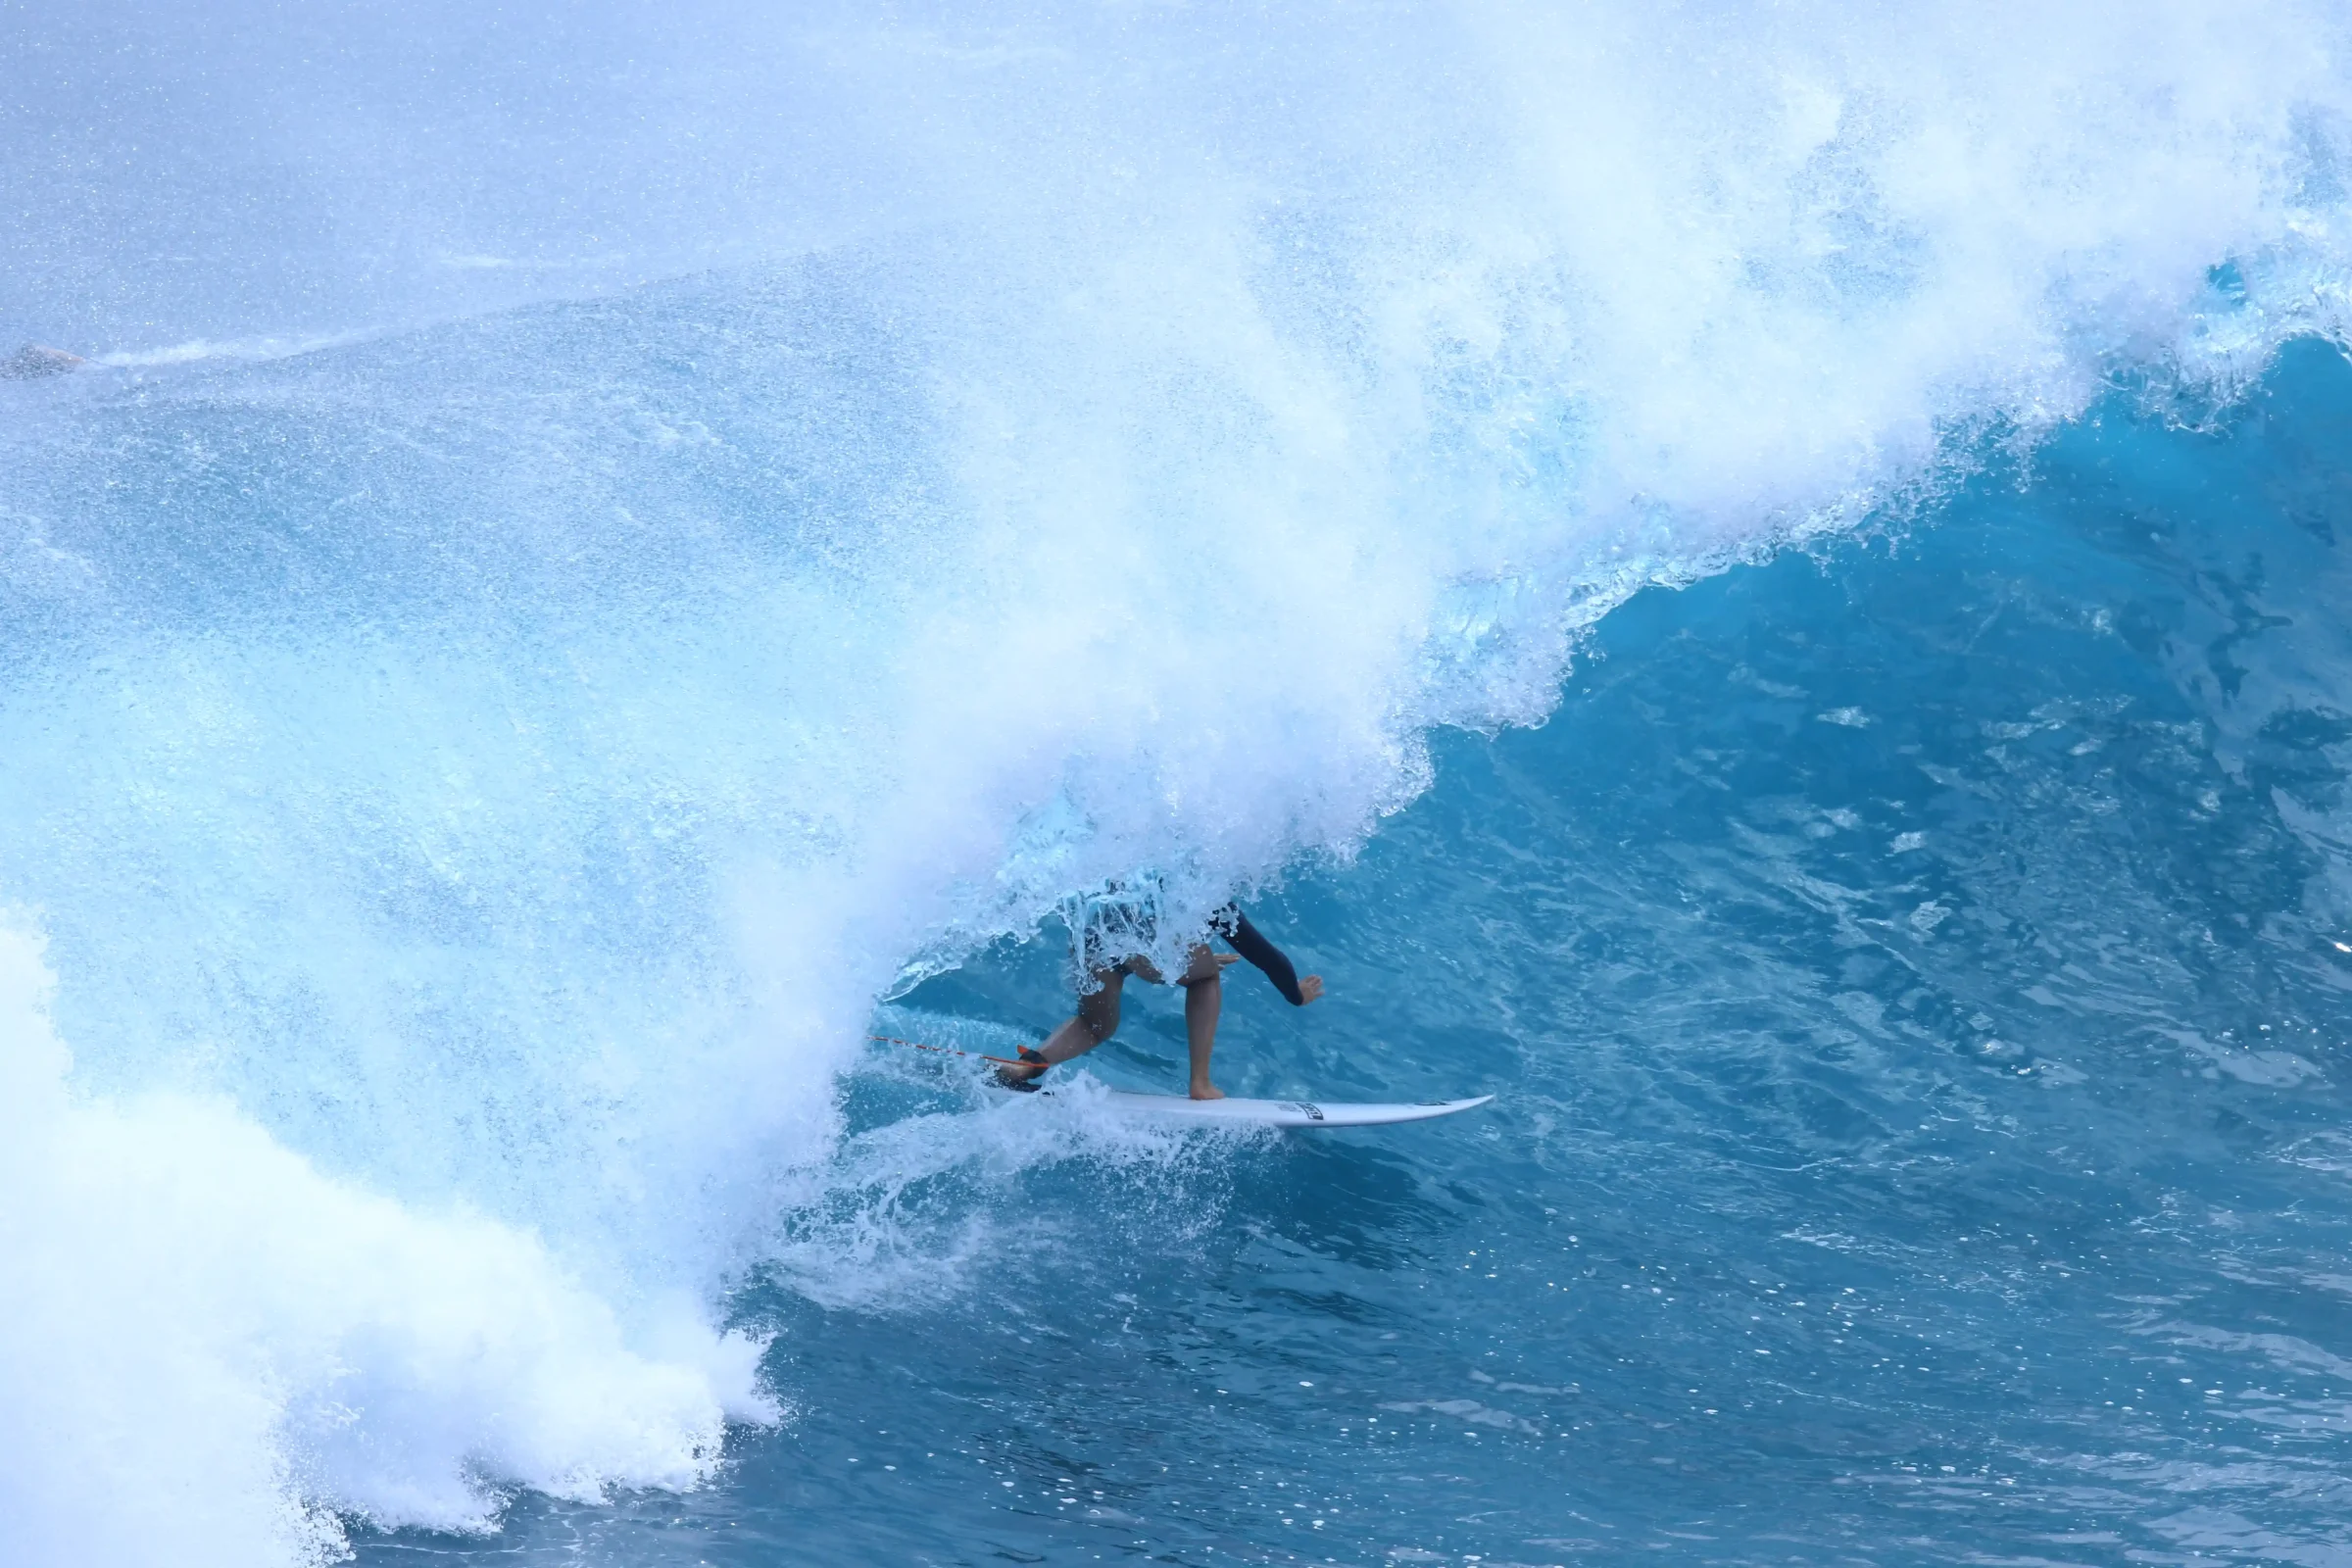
1099	1009
1202	969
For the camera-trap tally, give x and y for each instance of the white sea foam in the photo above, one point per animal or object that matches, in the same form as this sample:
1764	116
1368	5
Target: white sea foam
477	778
221	1345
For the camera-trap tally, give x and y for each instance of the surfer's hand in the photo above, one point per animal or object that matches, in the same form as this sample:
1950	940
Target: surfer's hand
1310	989
1224	958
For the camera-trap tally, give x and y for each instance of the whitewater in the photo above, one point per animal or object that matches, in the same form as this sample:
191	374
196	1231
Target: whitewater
1762	582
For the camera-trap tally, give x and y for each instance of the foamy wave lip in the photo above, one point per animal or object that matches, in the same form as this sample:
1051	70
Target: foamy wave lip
1153	517
211	1353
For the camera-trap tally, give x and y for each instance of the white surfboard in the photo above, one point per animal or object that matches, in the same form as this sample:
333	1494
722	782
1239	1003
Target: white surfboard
1289	1112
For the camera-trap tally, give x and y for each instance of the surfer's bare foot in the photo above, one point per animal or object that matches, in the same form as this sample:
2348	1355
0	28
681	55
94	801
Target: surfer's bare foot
1207	1091
1024	1073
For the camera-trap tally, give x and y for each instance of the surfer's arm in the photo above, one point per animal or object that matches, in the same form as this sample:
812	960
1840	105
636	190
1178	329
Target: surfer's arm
1251	944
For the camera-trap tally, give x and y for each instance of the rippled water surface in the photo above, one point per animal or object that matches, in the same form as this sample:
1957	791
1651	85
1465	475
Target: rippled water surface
1759	582
1913	978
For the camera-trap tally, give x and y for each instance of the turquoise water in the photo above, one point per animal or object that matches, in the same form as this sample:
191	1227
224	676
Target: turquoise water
1763	584
1910	976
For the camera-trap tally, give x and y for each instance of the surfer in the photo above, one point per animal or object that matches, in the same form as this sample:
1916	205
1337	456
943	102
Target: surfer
1106	929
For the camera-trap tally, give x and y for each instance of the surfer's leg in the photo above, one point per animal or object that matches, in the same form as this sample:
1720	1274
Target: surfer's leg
1098	1019
1203	1001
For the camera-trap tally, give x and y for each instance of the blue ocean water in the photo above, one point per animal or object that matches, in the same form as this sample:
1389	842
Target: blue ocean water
1912	977
1762	583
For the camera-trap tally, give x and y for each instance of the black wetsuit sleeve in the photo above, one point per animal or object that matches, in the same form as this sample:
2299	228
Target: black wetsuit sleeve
1234	927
